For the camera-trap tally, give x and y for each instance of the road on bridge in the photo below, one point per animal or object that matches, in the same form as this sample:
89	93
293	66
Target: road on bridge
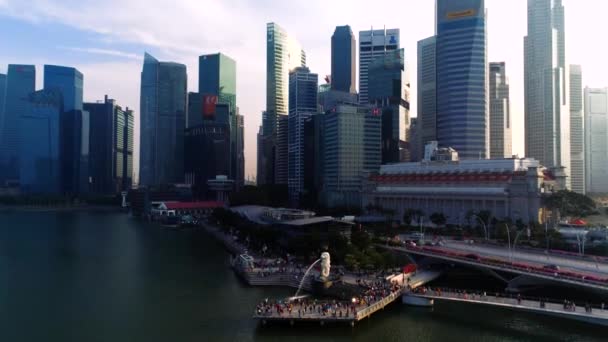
585	267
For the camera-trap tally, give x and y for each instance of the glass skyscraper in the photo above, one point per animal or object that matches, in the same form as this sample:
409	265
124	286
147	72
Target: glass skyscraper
217	76
163	105
303	87
283	53
388	91
20	83
68	81
111	147
74	127
373	43
427	92
577	130
343	59
462	77
40	165
500	112
547	112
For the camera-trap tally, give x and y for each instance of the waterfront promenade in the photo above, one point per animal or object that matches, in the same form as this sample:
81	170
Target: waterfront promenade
376	290
594	314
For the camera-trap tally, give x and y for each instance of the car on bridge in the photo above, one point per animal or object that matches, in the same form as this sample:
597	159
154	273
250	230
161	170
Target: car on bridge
551	267
473	257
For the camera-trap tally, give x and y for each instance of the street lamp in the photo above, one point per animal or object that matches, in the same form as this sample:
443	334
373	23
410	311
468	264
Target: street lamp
421	231
509	241
485	228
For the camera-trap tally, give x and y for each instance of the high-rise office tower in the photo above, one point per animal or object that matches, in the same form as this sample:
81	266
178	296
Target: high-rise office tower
577	132
343	56
462	78
547	114
20	83
314	160
427	92
352	145
303	87
283	53
596	140
75	127
2	97
217	76
111	147
163	114
373	43
281	152
388	92
240	150
40	164
500	112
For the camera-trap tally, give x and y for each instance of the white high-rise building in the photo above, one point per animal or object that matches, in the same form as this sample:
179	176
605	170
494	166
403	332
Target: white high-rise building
577	133
283	54
596	140
373	43
500	112
547	112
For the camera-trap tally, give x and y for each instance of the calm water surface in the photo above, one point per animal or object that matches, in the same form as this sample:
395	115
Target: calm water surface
99	276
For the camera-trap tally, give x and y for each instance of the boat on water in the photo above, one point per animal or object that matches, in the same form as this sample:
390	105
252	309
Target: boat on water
408	299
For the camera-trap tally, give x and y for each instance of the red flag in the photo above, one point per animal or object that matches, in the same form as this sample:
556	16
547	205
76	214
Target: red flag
409	268
209	102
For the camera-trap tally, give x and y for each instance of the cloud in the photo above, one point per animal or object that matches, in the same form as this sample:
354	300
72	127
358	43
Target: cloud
107	52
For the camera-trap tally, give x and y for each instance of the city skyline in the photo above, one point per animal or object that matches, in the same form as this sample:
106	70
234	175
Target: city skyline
94	47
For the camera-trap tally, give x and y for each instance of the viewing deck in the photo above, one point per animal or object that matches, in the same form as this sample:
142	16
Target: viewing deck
341	312
594	315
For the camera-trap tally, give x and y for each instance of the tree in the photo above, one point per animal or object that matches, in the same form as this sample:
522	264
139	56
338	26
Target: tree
570	204
484	216
438	219
361	239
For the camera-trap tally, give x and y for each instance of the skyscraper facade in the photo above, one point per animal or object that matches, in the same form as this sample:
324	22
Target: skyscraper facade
40	163
240	150
163	114
427	92
577	131
547	114
343	60
500	112
373	43
303	87
281	151
111	147
217	76
75	127
20	83
352	145
462	77
388	92
2	97
283	53
596	140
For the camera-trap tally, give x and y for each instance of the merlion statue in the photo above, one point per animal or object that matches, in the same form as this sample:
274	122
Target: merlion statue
325	265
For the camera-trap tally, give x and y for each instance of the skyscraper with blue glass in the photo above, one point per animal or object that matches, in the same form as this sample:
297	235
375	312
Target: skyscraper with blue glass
343	55
68	82
20	83
462	77
163	105
40	164
303	87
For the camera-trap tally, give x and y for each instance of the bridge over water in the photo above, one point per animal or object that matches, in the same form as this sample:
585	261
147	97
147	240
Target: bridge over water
595	315
571	271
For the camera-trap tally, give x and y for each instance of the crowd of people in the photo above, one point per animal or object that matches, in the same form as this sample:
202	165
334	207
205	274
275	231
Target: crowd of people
303	307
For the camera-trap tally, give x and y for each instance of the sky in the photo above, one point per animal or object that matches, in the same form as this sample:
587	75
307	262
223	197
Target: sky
106	41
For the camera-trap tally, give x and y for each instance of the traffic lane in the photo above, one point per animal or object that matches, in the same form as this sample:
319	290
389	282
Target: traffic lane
540	260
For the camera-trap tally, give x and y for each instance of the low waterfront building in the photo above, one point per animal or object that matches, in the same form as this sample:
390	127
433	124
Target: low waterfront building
185	208
508	188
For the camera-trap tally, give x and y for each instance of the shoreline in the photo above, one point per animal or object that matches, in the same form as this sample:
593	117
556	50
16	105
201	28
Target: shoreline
84	208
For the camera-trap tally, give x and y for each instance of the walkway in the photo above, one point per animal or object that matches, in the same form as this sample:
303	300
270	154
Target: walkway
579	313
373	300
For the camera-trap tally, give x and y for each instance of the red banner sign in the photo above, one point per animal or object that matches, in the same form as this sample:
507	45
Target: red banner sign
209	102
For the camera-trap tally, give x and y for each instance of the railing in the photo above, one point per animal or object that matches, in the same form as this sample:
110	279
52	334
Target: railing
361	314
520	268
536	303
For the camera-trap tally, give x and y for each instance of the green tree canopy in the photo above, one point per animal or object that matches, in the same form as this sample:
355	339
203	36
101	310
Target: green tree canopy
570	204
